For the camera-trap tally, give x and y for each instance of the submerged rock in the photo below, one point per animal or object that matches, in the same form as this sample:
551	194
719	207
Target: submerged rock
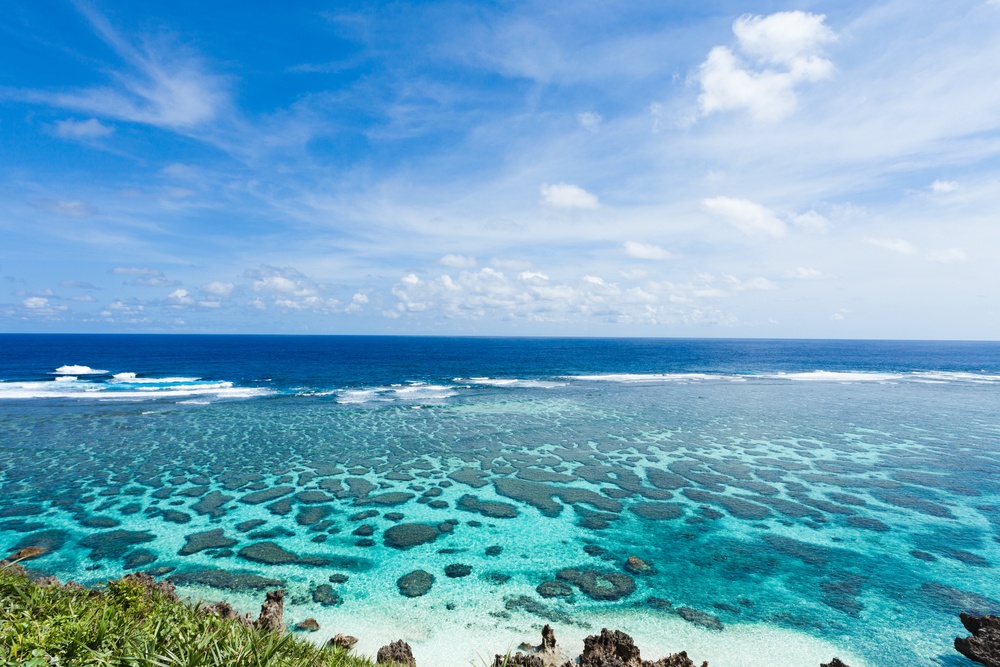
636	565
554	589
407	535
457	570
599	585
415	583
267	552
209	539
984	644
398	652
234	581
700	618
114	544
325	595
139	558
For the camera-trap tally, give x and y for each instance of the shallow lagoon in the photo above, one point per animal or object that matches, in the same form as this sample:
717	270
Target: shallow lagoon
789	515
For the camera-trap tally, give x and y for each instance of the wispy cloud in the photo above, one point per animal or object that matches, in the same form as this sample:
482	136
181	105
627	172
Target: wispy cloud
747	216
567	195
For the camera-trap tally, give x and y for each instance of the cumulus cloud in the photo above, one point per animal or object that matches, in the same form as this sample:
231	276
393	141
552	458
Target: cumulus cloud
38	305
645	251
901	246
949	255
82	129
944	186
566	195
535	296
458	261
747	216
289	289
784	49
218	288
179	297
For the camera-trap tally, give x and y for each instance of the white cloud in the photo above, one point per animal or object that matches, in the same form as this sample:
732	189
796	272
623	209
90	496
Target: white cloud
902	246
944	186
218	288
758	283
949	255
35	302
804	273
645	251
162	86
136	271
566	195
791	41
458	261
180	297
72	209
82	129
747	216
590	120
812	221
532	275
289	289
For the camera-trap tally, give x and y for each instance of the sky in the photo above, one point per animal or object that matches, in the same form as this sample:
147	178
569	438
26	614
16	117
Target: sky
713	169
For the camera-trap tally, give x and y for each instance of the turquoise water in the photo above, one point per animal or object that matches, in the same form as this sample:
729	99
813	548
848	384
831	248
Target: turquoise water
788	515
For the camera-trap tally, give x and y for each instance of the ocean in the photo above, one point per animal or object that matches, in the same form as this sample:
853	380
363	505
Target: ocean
787	501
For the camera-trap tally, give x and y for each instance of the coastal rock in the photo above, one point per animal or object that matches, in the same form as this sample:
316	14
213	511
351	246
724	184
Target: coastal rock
225	611
398	652
271	612
152	586
548	639
345	642
984	644
308	625
27	553
415	584
610	649
836	662
517	660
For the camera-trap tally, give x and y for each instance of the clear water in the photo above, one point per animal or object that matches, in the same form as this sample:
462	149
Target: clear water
810	499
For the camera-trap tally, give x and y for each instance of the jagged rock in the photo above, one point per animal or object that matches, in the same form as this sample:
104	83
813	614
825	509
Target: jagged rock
610	649
47	581
984	644
271	612
13	568
345	642
676	660
27	553
308	625
548	639
836	662
517	660
225	611
151	585
398	652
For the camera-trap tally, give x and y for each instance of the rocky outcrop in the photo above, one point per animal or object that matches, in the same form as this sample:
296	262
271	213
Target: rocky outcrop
398	652
610	649
548	639
616	649
984	644
345	642
271	612
151	585
225	611
836	662
545	655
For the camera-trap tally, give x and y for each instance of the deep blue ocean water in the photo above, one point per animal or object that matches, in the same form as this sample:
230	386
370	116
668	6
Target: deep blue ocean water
795	499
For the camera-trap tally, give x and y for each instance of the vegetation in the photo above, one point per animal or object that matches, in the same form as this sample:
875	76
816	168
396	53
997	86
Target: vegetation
128	624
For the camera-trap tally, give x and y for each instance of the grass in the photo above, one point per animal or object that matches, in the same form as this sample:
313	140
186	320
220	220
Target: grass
126	624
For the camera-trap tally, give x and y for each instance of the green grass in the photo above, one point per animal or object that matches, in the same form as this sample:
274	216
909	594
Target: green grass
124	624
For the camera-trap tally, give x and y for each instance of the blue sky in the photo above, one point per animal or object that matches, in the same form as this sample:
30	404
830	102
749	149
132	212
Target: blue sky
767	169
